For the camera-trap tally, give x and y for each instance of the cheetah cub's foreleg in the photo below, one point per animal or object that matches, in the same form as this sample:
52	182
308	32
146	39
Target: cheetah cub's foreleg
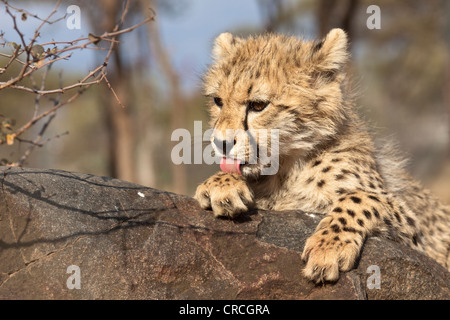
338	239
227	194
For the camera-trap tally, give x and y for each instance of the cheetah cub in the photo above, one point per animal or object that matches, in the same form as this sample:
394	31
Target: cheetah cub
327	162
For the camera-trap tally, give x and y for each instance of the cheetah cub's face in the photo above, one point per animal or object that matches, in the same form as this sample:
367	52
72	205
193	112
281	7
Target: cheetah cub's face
274	82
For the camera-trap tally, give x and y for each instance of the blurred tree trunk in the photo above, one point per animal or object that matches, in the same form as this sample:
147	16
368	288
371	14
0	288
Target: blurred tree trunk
176	101
446	87
336	14
324	9
121	134
272	11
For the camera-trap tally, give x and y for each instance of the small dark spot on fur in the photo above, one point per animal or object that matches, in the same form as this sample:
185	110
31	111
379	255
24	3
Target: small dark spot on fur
316	163
414	239
250	89
352	230
367	214
335	228
374	198
410	221
326	169
390	204
320	183
387	221
356	199
341	191
317	46
376	213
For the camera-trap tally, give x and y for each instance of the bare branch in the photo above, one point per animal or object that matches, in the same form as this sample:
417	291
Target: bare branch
12	58
35	141
33	56
61	90
34	15
107	36
112	90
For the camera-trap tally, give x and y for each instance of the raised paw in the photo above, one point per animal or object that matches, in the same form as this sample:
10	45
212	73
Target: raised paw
226	194
330	250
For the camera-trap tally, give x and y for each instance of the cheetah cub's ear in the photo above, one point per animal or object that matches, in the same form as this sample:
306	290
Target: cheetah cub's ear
224	45
330	55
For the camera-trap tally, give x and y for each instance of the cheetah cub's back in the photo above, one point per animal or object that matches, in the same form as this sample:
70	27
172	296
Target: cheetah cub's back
326	160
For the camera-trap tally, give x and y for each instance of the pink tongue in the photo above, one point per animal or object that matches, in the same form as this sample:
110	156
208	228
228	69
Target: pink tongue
230	165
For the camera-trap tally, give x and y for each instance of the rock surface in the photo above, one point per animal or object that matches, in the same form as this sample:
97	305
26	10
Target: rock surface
133	242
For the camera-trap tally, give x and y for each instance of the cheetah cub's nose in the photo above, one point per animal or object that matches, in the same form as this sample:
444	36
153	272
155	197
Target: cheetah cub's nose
227	164
224	146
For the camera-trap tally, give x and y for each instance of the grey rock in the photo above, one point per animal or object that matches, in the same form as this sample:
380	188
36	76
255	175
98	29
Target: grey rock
134	242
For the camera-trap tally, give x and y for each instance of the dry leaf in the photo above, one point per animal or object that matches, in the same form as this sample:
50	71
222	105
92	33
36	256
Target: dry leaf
95	39
10	139
37	51
38	64
14	45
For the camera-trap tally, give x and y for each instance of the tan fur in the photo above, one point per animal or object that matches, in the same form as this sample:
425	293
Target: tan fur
328	161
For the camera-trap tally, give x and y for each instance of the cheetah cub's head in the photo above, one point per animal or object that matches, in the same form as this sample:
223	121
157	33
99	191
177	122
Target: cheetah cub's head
276	94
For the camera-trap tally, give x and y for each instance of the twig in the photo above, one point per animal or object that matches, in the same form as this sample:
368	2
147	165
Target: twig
35	141
61	90
36	32
116	33
34	15
44	114
13	57
10	56
22	71
112	90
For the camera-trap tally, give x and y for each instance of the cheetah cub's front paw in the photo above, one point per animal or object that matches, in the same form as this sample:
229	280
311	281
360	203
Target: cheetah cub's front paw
227	194
329	251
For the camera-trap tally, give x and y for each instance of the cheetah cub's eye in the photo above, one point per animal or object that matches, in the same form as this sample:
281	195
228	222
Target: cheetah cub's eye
257	105
218	102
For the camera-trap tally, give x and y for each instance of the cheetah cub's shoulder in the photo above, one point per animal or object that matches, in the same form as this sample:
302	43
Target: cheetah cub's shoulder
327	161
